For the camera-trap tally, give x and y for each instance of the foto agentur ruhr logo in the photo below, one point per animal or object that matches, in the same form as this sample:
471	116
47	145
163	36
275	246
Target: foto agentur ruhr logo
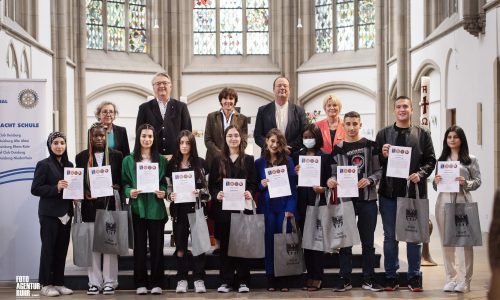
28	98
25	288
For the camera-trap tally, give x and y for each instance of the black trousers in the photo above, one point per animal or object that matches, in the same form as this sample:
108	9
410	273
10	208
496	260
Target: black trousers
181	235
229	265
154	230
314	264
55	241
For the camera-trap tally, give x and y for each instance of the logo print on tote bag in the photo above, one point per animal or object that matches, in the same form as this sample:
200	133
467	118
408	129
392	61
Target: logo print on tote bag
411	214
110	228
292	249
338	221
461	220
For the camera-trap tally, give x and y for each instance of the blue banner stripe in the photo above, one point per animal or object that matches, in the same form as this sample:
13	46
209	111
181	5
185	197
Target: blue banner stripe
13	170
14	180
15	173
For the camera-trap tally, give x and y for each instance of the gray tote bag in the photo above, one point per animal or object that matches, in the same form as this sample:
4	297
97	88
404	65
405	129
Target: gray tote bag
111	230
412	218
80	235
312	237
246	235
288	255
461	224
200	238
339	227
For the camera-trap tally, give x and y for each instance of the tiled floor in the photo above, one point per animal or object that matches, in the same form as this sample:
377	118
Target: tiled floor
433	282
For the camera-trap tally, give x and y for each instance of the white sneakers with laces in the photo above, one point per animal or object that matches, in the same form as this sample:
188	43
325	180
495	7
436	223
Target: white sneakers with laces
49	291
199	286
182	286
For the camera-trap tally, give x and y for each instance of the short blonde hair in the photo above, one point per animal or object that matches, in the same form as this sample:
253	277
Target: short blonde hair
99	107
333	99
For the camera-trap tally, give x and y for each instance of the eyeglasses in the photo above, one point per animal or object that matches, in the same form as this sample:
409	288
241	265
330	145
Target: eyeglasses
107	112
165	83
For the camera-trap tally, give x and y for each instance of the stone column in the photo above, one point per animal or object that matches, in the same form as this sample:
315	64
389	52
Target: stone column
80	76
381	67
401	47
59	32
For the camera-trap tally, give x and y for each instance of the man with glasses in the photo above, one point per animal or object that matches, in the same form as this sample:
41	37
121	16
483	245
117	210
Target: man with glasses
167	115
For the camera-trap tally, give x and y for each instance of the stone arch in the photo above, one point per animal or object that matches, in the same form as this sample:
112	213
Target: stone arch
12	59
316	91
240	88
122	87
25	67
425	68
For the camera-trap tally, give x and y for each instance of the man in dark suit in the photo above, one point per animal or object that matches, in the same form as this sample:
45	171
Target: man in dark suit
167	115
281	114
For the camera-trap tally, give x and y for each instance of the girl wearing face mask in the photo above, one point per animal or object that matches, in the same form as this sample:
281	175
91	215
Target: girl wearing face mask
275	209
149	214
54	214
312	142
186	159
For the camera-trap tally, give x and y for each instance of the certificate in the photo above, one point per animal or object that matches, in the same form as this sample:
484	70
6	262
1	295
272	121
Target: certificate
347	179
449	171
310	171
101	182
398	164
148	177
234	190
74	177
278	185
184	186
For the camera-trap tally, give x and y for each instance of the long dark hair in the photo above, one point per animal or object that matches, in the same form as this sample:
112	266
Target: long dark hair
224	158
155	154
316	132
281	155
193	159
463	153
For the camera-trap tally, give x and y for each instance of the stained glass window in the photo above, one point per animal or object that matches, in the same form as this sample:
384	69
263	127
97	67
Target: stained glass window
117	25
230	27
343	25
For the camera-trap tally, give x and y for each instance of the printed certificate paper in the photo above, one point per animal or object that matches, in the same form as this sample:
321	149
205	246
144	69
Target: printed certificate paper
234	190
310	170
278	185
184	186
449	171
398	164
101	182
347	179
74	177
148	178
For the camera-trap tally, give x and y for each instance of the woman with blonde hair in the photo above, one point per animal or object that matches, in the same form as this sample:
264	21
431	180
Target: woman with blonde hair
332	127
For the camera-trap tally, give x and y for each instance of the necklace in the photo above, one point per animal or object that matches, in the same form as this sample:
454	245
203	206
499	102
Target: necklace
185	165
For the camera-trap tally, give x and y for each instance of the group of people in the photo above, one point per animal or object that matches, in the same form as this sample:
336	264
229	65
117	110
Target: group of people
163	136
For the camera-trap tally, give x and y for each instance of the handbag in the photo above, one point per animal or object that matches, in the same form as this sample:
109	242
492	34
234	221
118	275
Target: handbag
200	239
111	229
288	255
461	223
312	237
339	224
80	236
412	218
246	235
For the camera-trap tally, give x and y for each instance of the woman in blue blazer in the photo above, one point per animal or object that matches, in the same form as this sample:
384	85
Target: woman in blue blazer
275	209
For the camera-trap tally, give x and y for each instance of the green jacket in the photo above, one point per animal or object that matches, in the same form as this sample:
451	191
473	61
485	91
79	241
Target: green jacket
146	206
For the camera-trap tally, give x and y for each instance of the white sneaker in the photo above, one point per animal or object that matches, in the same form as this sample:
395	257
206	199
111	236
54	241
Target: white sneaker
182	286
449	286
141	291
49	291
462	287
63	290
224	288
156	291
243	288
199	286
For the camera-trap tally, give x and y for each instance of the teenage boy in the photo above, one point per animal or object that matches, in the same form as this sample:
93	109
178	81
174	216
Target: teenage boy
358	151
423	160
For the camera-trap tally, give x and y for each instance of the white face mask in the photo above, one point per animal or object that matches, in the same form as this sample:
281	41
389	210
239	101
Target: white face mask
309	143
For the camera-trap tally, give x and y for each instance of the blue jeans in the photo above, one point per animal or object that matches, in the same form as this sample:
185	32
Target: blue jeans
388	209
367	221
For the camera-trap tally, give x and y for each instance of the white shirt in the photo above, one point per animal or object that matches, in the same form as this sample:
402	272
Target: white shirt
99	157
281	116
163	107
227	122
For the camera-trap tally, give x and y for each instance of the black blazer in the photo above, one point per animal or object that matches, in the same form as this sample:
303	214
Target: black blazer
48	172
89	206
177	118
215	186
266	120
121	140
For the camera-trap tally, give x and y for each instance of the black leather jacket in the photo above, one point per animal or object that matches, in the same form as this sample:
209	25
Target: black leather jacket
423	159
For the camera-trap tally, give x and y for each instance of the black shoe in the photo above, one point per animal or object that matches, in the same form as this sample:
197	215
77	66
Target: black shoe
370	284
415	284
343	285
391	284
